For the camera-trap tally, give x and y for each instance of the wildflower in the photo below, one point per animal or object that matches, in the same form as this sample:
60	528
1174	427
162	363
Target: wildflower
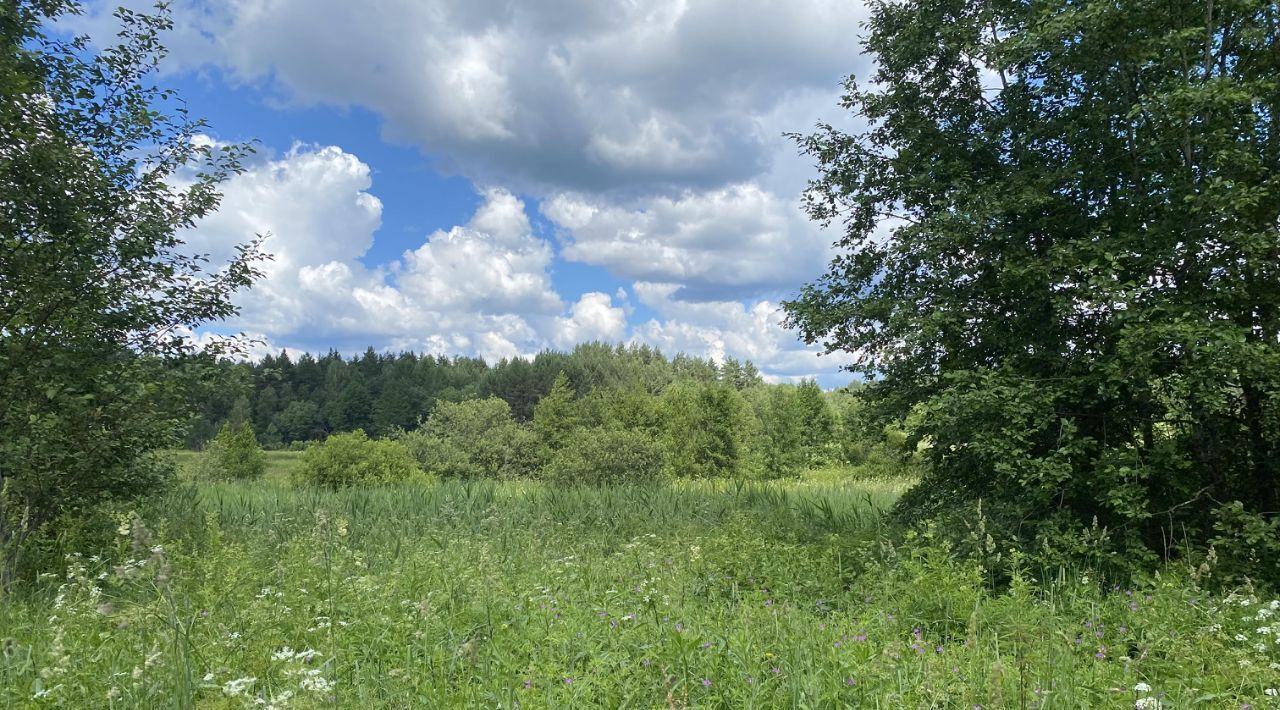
776	669
1147	703
208	677
528	684
1142	688
1271	692
312	680
568	681
706	682
850	681
113	693
233	688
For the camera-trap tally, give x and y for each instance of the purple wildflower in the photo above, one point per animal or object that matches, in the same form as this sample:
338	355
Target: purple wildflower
706	682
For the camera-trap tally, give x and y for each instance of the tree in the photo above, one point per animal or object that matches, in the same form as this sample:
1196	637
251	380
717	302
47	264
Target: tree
300	421
707	425
1061	244
818	424
556	416
97	184
782	429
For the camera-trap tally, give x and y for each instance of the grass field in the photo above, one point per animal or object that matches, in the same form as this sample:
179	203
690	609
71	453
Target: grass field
512	595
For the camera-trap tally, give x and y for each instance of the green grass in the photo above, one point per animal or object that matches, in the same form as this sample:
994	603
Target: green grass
696	594
280	464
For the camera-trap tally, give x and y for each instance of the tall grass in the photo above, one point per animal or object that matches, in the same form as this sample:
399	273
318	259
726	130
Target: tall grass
696	594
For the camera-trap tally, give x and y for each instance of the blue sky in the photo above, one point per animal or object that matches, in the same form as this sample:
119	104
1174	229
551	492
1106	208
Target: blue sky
494	178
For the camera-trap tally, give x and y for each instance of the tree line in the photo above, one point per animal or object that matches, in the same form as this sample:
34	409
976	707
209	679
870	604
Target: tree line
707	418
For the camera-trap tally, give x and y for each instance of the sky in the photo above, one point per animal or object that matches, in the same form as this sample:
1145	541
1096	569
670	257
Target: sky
495	178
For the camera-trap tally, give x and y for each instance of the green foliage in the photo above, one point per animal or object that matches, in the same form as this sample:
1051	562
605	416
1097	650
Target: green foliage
780	442
707	427
1061	251
354	459
300	421
100	174
233	454
555	417
817	431
601	456
474	439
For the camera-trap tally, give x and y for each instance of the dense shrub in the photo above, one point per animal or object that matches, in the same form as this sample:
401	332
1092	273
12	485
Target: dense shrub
474	439
600	456
355	459
233	454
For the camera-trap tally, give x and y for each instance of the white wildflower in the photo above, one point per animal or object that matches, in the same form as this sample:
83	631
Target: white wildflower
1264	630
233	688
284	654
137	673
1241	637
113	693
1142	688
1147	704
1271	692
312	680
208	677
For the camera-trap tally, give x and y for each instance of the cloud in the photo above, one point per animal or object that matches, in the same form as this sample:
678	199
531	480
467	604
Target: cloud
480	288
717	245
577	95
593	317
751	331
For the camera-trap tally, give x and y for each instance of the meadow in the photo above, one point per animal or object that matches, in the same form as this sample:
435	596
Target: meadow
515	594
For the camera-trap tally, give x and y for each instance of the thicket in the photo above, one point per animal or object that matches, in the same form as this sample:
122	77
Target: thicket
353	458
233	454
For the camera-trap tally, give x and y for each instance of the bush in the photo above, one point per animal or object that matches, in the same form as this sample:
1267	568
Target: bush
607	456
233	454
355	459
474	439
